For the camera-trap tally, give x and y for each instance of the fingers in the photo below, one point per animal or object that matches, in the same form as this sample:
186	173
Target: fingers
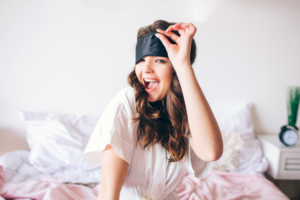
174	27
190	26
187	29
171	35
164	40
182	28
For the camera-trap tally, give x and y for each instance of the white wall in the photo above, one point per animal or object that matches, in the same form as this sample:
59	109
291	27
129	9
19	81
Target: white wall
72	57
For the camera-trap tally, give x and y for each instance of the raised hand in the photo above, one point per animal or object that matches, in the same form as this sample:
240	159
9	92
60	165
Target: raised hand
179	53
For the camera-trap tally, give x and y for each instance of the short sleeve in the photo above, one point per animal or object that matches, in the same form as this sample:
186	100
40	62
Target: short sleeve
115	128
196	166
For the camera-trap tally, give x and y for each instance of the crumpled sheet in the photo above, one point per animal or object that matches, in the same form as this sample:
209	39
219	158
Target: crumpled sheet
216	186
18	169
228	186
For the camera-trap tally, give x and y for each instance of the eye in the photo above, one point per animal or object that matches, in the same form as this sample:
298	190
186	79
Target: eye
159	60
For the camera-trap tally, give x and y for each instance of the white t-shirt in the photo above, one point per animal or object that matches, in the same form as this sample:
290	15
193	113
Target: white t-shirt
150	175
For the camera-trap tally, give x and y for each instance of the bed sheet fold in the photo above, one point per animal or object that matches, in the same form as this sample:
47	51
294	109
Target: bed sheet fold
216	186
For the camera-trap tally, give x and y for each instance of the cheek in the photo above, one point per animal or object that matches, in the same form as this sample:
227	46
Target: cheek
167	77
136	70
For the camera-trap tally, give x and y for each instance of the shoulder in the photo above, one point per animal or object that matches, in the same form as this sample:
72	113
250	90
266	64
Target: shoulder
118	113
123	101
126	94
114	127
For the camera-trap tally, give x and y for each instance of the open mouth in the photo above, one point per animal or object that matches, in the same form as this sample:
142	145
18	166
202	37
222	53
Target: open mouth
150	84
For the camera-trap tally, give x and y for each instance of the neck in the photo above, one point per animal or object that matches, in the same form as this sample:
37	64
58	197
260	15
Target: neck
155	104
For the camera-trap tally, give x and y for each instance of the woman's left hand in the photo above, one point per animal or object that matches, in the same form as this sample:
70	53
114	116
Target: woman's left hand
179	53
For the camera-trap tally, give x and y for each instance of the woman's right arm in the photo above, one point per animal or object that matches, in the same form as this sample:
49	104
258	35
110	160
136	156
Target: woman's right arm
113	174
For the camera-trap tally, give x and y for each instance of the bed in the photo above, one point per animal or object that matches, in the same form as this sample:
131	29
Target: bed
54	168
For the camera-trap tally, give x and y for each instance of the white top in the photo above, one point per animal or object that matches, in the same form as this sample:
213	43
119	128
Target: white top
150	175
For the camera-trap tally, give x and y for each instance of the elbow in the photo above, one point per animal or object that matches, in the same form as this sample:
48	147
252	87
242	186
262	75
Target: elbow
211	152
217	151
215	155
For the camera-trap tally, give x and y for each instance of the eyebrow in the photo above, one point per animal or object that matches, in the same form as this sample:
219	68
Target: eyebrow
162	58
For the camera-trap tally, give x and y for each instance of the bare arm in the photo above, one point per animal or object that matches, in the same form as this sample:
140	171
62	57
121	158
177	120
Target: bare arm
206	138
113	174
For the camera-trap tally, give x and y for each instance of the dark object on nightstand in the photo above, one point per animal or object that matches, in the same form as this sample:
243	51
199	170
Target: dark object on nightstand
288	135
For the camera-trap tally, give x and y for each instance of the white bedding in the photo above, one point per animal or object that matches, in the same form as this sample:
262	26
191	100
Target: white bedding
17	169
57	142
252	160
241	154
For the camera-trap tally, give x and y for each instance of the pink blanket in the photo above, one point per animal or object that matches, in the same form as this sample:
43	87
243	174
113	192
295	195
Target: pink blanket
222	185
217	185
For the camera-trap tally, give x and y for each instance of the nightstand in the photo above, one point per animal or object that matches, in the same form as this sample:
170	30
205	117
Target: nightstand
284	161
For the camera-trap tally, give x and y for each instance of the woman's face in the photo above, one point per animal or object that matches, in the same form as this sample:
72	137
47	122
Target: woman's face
155	73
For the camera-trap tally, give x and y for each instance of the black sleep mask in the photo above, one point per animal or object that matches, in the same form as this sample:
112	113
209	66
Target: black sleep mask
150	45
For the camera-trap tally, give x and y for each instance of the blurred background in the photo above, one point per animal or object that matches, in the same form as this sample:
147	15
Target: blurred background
73	56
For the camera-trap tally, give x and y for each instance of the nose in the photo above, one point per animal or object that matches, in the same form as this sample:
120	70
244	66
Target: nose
148	66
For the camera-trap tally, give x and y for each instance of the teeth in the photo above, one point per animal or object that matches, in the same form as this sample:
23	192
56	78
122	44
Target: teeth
150	80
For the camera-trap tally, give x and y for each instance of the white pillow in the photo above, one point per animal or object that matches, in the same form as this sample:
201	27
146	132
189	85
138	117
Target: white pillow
241	155
237	127
57	141
237	119
233	144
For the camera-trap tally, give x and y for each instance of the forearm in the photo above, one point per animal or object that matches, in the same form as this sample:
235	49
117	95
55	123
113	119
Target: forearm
106	194
113	174
206	136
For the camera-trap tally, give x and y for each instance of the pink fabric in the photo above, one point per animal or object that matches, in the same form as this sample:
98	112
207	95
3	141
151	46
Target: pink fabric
224	186
47	189
217	185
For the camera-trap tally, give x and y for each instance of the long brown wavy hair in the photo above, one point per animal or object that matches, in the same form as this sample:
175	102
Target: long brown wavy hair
164	121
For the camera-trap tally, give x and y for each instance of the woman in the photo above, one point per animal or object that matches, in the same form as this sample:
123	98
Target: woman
162	125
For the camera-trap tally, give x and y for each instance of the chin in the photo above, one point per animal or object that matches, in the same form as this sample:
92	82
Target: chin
152	99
